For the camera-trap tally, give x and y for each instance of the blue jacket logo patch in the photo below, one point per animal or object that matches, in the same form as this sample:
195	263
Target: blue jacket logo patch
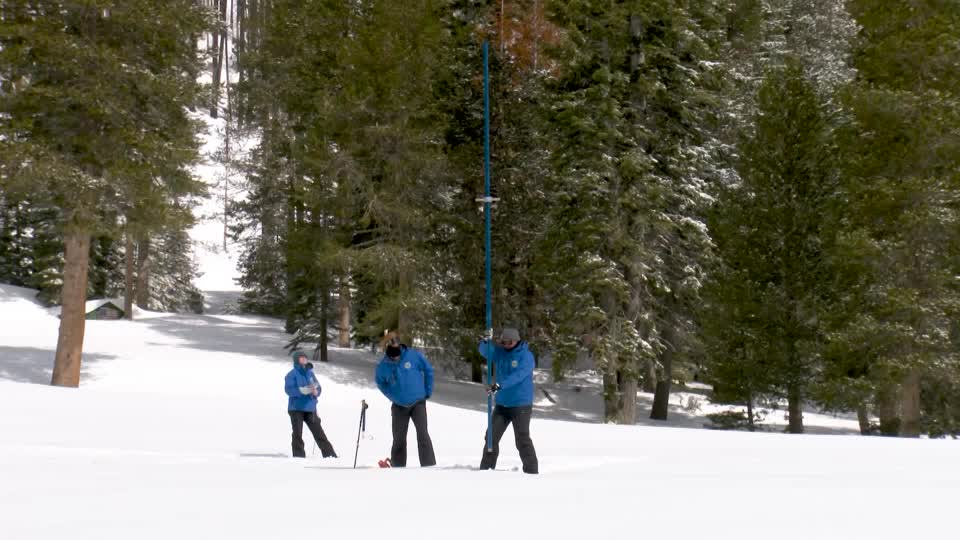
407	365
514	364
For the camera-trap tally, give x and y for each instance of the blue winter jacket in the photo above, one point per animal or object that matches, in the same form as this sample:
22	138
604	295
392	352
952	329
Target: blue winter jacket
300	376
407	380
514	373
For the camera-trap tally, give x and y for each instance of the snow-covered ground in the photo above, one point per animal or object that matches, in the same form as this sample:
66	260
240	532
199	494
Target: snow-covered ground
179	429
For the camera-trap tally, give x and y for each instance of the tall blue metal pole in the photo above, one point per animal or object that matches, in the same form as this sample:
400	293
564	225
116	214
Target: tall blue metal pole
486	216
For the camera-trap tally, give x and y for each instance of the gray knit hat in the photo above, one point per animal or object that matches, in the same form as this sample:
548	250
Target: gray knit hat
509	334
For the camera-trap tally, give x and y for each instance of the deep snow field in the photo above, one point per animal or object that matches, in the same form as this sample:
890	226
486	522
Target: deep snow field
179	430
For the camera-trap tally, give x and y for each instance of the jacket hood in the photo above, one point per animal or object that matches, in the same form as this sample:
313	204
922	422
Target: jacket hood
296	365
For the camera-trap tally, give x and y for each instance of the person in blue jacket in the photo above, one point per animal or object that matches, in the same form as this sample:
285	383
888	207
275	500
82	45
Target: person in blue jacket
406	378
303	389
513	365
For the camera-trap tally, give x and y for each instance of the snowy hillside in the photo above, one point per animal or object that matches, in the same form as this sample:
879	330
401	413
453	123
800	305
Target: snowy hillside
179	430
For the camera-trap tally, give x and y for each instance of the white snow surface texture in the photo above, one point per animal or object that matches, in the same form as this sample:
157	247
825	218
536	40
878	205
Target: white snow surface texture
179	430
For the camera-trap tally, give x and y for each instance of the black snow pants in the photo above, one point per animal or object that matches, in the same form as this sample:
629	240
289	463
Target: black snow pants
520	418
401	422
297	419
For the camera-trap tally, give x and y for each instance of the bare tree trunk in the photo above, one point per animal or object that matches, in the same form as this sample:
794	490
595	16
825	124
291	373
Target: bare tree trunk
143	273
218	61
324	322
661	399
66	367
343	306
128	275
292	308
888	409
611	397
910	405
795	408
628	394
226	162
650	381
863	418
240	47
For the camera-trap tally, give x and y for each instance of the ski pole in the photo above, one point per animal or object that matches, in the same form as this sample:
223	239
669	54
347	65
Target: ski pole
361	429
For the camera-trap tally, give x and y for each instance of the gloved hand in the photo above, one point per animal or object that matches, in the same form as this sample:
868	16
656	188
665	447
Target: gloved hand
307	390
493	389
427	397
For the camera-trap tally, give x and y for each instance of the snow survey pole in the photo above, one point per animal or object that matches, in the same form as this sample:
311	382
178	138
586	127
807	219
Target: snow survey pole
487	201
361	429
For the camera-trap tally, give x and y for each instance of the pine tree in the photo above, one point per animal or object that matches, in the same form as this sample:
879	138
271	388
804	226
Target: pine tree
634	153
88	148
901	155
43	252
773	232
173	272
349	142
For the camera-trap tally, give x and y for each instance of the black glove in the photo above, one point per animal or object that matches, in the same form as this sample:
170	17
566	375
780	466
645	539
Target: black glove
309	365
493	389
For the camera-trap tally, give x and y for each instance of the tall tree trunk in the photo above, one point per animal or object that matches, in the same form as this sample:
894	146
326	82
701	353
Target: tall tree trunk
628	396
66	367
128	275
611	397
863	418
661	399
226	160
324	322
294	225
220	38
888	409
343	308
650	381
795	408
751	425
910	405
240	45
143	273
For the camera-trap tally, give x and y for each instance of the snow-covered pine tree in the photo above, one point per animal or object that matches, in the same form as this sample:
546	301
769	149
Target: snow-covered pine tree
13	252
633	157
172	273
80	143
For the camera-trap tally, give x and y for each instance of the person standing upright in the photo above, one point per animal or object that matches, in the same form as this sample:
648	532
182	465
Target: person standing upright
405	377
513	365
302	390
